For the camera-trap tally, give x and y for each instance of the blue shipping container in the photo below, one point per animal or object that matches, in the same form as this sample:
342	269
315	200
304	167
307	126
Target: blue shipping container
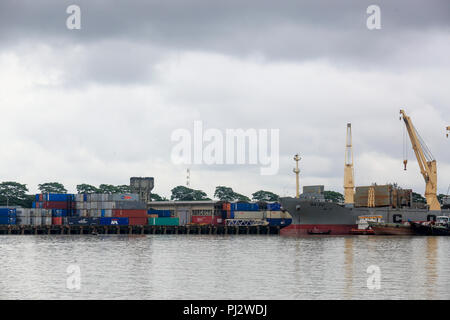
59	213
113	221
7	212
80	221
273	207
58	197
243	206
7	220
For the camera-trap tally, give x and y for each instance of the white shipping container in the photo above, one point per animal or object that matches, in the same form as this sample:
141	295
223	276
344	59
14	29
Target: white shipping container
273	214
248	215
47	221
36	220
23	220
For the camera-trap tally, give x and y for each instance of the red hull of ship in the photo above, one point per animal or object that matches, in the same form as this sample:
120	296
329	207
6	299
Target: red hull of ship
308	229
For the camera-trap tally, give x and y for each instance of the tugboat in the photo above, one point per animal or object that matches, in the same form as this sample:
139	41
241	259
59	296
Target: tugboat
441	227
363	224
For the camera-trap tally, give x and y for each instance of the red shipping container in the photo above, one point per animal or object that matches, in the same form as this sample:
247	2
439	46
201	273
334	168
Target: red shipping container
206	220
54	205
57	220
125	213
133	221
40	197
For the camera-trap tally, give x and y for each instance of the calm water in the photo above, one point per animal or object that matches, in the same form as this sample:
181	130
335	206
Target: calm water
224	267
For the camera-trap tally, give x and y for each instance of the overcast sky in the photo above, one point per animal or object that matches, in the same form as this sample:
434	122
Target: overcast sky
99	105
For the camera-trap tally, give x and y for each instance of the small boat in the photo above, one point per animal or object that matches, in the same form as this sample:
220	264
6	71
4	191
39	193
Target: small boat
318	231
381	228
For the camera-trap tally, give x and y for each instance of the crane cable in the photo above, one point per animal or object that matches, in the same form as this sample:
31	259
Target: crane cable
428	155
405	147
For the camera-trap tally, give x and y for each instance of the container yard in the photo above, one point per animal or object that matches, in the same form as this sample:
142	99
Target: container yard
127	214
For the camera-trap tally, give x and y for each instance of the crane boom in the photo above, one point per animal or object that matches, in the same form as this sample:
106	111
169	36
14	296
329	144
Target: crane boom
427	163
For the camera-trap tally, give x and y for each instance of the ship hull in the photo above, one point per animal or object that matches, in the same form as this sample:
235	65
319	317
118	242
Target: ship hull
313	215
397	230
311	229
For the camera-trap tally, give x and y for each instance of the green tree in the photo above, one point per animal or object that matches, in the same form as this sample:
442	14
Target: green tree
182	193
241	197
124	188
108	188
157	197
224	193
262	195
13	193
441	197
417	197
333	196
86	188
227	194
52	187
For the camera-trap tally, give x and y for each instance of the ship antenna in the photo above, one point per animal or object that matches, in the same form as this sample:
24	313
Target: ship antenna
297	171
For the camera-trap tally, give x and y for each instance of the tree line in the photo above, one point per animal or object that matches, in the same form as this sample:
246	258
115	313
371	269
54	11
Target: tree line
16	194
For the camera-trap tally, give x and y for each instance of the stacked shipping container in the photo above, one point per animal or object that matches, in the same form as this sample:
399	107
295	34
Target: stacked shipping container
61	206
162	218
112	209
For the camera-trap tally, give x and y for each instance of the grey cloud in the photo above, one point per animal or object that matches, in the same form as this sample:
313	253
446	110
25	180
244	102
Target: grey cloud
295	30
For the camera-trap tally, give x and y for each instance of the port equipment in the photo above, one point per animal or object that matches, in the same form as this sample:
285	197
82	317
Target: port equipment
349	185
245	222
448	130
426	161
297	171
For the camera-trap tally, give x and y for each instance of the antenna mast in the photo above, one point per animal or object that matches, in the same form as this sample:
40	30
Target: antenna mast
297	171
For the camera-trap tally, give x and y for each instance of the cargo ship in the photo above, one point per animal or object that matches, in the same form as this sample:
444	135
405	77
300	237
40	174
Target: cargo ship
318	215
312	214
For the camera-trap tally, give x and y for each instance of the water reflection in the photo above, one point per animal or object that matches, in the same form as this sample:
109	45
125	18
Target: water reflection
224	267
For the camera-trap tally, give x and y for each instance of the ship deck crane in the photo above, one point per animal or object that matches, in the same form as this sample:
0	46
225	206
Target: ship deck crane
426	161
349	186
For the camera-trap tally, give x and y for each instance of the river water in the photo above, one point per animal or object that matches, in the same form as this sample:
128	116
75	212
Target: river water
224	267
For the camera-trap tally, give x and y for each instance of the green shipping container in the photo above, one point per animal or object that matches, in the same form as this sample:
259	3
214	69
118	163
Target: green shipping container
164	221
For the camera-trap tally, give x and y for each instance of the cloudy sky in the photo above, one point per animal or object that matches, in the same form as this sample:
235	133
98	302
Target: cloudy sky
99	104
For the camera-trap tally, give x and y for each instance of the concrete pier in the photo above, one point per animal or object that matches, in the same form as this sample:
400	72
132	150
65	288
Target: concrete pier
146	229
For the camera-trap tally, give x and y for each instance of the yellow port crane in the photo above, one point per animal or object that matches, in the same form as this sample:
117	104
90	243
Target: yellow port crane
349	186
426	161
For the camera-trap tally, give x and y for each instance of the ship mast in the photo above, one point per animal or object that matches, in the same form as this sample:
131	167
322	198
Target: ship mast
349	185
297	171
